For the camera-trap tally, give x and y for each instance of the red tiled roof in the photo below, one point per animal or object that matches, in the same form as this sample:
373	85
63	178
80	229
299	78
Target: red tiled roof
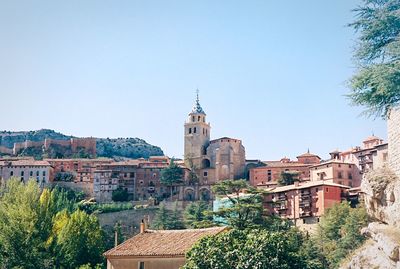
161	243
25	163
283	164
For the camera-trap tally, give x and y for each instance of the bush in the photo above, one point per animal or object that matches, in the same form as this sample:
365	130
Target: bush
120	195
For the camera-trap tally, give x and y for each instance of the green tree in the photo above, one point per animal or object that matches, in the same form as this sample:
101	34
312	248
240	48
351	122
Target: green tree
197	215
120	195
376	85
288	178
162	218
339	233
241	204
171	175
80	241
176	222
242	249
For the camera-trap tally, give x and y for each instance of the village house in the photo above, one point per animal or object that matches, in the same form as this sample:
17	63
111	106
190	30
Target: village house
269	172
336	171
303	202
150	249
371	155
25	169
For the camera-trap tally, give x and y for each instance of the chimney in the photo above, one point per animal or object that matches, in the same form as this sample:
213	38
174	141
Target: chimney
142	227
296	183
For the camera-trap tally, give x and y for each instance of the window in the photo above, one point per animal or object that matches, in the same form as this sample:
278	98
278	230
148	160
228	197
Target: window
31	173
37	173
327	190
190	130
11	173
193	119
205	173
194	130
44	173
340	175
22	173
350	175
198	118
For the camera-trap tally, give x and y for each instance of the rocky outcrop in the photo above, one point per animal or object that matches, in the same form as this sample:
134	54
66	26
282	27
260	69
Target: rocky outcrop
381	190
380	251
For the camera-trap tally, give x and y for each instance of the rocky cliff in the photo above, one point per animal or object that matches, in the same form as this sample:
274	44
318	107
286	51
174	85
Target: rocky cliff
381	190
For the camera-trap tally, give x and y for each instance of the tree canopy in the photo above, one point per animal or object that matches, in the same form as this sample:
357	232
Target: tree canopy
43	229
376	85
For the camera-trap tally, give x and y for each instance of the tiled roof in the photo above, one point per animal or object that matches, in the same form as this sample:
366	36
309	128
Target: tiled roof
283	164
305	185
308	155
25	163
161	243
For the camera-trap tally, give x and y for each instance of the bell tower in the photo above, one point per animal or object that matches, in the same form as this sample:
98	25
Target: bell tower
197	135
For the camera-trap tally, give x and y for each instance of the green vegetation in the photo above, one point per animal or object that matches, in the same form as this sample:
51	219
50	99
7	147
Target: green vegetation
127	148
377	82
338	235
168	220
288	178
240	249
43	229
120	195
197	215
171	176
253	241
240	210
65	176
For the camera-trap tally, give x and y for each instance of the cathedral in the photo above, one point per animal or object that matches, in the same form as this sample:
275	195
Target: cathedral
212	160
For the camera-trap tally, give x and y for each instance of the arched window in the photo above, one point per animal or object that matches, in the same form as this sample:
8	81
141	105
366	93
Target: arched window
198	118
206	163
204	150
194	130
190	130
193	118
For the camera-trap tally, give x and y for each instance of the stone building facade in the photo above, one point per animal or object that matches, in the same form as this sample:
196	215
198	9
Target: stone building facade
213	160
394	140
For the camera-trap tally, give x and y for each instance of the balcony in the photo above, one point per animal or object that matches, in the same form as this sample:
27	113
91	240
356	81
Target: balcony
306	214
305	204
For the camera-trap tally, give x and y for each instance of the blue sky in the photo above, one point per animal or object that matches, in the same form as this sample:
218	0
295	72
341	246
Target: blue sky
272	73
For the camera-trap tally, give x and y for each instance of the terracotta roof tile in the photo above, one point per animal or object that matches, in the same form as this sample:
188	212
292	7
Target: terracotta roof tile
161	243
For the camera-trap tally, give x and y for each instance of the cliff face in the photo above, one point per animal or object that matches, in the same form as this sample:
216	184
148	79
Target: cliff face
382	200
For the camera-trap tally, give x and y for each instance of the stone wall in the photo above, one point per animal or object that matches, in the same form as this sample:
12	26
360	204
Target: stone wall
130	220
394	140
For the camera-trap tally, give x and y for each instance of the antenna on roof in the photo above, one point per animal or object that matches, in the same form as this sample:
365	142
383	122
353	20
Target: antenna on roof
308	150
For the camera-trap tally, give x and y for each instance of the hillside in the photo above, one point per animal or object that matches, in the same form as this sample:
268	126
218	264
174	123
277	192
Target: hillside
106	147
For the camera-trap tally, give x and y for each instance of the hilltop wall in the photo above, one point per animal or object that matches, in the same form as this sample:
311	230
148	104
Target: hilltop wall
394	140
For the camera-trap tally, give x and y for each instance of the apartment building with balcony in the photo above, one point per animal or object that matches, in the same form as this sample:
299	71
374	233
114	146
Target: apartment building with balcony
305	202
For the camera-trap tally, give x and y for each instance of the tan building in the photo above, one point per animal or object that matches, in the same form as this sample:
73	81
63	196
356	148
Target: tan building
150	249
213	160
26	169
338	172
371	155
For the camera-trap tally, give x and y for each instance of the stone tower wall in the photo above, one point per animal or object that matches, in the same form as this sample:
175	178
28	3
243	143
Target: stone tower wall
394	140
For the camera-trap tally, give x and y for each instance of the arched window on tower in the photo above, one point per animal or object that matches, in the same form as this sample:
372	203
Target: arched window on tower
194	130
193	118
190	130
204	119
198	118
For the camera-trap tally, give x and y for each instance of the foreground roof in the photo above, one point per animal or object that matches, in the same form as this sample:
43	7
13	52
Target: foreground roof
165	243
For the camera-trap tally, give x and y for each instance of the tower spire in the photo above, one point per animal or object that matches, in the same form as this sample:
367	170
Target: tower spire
197	107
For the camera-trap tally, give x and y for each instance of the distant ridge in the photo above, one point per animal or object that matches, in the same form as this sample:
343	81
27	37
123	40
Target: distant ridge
105	147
